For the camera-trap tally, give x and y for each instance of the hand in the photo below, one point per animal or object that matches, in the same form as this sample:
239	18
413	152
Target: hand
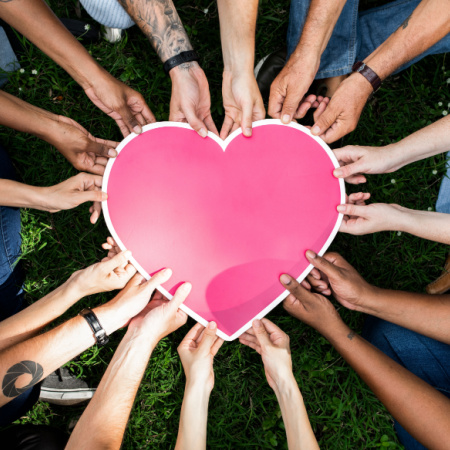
242	102
73	192
357	160
108	275
197	351
190	101
123	104
360	220
85	152
347	286
287	93
273	346
162	317
344	109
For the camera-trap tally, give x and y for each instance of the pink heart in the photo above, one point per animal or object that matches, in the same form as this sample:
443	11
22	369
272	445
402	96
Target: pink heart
230	222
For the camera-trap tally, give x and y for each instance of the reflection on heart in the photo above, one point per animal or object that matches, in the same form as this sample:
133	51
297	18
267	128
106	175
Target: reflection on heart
230	222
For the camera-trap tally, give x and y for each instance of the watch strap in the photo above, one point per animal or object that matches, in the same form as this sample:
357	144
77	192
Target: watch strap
368	74
181	58
99	332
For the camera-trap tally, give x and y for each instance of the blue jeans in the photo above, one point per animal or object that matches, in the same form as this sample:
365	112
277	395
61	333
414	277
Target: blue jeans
11	279
423	356
443	201
8	60
357	34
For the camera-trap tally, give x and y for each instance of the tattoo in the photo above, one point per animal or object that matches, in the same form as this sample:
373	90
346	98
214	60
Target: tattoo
406	22
159	21
351	335
25	367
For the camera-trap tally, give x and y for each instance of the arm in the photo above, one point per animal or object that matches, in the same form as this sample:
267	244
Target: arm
35	20
103	420
292	83
410	40
83	150
273	346
423	313
419	408
356	160
43	354
190	101
241	97
66	195
197	351
365	219
112	273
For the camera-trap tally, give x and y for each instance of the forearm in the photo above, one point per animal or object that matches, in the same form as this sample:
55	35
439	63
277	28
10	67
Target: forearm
35	20
159	21
28	322
418	407
237	32
43	354
106	416
423	313
412	38
19	195
320	22
299	433
194	417
429	141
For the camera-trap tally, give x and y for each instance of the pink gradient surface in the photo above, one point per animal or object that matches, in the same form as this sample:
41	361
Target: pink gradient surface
229	222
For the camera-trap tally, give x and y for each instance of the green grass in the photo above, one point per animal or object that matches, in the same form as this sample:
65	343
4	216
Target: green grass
243	410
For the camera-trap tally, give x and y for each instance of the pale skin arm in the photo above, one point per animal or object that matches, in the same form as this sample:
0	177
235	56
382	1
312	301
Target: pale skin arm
419	408
241	97
121	381
423	313
292	83
35	20
358	160
197	351
410	40
161	24
273	346
35	358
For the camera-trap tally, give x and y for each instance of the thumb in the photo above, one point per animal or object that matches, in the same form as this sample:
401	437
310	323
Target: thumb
290	106
101	149
353	210
325	121
91	196
209	337
180	295
197	124
130	120
246	123
348	170
261	333
325	266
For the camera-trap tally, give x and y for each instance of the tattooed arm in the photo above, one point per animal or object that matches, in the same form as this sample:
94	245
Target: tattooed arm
242	100
428	24
190	102
418	407
35	20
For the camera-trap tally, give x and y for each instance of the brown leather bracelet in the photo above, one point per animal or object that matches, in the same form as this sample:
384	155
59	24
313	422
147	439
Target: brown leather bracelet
368	74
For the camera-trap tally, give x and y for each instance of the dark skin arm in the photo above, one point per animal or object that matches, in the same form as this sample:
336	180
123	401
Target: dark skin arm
419	408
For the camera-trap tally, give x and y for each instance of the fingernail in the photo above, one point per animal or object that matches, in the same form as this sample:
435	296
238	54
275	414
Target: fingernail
337	173
316	276
341	208
186	287
128	254
137	129
310	254
167	272
212	325
286	118
285	279
202	132
315	130
248	132
104	196
257	323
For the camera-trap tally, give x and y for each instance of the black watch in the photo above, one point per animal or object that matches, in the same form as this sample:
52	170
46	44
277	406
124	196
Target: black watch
181	58
99	332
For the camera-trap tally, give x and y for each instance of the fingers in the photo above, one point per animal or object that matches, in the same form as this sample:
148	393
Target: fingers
276	100
147	114
293	286
194	333
95	211
246	123
209	337
92	196
323	264
180	295
358	198
354	210
119	260
261	333
197	124
305	105
157	279
251	342
226	127
216	346
102	148
209	122
130	121
270	326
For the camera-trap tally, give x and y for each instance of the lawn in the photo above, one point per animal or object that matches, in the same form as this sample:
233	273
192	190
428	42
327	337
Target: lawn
243	410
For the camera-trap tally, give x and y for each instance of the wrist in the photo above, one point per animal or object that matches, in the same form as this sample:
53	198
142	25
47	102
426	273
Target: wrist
364	87
180	71
200	386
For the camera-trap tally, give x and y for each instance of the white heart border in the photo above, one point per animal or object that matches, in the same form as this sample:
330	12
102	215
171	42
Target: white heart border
223	145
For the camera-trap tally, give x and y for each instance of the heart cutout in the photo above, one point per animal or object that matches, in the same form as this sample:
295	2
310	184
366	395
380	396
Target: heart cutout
229	216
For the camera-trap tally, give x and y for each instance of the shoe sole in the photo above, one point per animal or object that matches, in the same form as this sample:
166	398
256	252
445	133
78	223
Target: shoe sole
69	397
